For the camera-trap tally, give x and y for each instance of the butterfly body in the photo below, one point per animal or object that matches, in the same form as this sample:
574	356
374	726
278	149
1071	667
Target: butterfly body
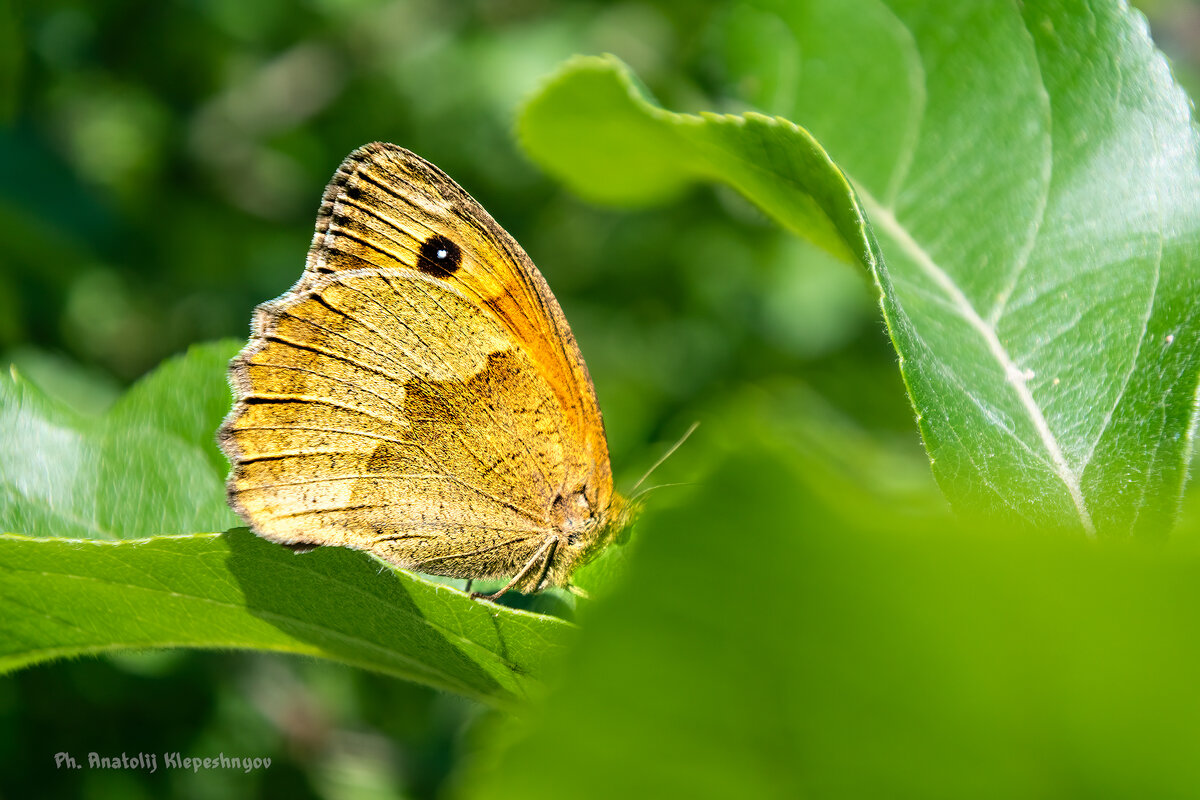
418	393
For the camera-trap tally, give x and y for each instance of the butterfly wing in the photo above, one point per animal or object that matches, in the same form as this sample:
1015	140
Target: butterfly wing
418	392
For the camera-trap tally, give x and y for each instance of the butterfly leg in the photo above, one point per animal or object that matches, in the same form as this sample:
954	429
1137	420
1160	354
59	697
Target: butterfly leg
543	554
467	587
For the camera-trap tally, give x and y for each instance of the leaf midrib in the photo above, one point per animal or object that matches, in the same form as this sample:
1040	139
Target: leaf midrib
1013	375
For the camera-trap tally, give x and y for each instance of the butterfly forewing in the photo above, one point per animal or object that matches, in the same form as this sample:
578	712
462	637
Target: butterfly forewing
381	210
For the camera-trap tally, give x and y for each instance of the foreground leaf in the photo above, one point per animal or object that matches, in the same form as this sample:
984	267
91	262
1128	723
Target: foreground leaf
69	597
772	641
1032	174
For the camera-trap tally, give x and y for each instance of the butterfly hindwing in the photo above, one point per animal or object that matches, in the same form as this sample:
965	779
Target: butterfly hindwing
354	424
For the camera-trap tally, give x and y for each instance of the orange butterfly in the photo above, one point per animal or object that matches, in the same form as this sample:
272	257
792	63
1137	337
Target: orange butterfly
418	393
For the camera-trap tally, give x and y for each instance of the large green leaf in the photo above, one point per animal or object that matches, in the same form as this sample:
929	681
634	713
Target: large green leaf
1031	173
69	597
150	466
772	641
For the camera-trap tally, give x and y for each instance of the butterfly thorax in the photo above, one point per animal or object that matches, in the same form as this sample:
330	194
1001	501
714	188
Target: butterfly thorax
573	514
587	532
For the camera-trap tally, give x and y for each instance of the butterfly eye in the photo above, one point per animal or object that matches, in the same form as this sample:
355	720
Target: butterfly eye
439	257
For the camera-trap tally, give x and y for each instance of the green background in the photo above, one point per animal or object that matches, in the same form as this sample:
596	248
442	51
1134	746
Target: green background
160	167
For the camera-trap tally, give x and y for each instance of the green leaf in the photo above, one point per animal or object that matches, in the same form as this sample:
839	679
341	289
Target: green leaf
635	153
149	466
771	641
1031	173
70	597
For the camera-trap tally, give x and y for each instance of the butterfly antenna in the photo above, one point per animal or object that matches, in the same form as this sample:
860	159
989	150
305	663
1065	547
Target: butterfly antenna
665	456
650	489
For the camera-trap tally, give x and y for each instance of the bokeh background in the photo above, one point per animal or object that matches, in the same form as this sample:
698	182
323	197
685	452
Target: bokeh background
160	168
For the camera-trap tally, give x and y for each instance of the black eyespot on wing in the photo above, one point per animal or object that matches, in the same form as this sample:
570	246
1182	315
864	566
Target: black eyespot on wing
439	257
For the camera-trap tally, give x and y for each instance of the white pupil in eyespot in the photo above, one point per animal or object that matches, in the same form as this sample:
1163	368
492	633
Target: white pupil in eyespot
442	253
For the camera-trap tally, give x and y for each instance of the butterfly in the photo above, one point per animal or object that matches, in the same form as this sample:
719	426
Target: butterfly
418	394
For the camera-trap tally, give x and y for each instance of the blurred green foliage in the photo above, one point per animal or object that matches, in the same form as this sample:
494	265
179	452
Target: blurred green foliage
858	652
160	167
